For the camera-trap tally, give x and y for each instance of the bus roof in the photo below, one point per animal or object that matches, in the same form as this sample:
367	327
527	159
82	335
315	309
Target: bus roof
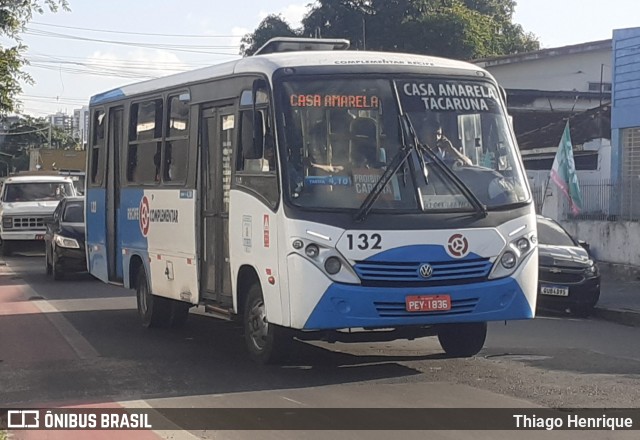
269	63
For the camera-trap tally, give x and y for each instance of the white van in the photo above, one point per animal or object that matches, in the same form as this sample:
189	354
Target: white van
26	202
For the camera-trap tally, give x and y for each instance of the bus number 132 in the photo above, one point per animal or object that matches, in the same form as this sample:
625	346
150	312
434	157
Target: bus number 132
365	241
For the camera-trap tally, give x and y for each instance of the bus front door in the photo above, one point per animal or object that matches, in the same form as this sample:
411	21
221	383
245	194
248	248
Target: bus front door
217	127
115	142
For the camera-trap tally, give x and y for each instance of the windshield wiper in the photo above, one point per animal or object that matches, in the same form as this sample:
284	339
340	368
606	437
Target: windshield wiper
396	163
406	148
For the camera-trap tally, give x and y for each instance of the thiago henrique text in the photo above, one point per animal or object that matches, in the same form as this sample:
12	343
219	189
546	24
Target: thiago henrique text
572	421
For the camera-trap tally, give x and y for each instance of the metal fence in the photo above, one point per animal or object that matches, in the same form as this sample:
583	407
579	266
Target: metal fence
601	200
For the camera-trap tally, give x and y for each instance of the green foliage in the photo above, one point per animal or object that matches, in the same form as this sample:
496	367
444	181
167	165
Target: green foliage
27	133
14	16
272	26
462	29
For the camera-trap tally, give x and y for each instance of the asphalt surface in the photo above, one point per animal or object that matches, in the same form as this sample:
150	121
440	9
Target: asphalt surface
78	342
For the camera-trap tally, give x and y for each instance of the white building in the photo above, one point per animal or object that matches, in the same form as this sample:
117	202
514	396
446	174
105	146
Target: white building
81	125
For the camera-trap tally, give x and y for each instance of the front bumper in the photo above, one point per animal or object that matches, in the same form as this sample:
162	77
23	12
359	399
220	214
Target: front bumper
585	293
348	306
70	260
22	235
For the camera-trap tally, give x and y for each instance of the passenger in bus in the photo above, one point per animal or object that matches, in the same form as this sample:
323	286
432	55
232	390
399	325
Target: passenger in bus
442	146
363	144
317	150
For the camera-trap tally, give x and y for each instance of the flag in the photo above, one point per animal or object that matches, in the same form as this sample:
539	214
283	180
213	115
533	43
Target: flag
563	172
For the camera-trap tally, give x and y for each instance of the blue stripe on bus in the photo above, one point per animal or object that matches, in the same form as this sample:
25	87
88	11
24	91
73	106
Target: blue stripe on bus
106	97
352	306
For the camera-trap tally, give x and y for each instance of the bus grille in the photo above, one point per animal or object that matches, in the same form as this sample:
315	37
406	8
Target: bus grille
398	309
450	272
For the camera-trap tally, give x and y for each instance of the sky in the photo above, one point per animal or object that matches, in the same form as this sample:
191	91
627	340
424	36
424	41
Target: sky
101	45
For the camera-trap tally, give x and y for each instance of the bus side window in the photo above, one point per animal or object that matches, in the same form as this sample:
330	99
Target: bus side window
175	161
97	148
255	156
145	138
256	160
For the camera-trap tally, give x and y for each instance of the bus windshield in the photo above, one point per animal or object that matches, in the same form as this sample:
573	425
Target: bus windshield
340	134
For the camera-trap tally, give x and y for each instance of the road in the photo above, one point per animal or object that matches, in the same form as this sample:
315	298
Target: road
79	343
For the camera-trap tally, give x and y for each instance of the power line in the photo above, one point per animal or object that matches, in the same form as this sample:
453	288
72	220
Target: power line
136	33
24	132
207	50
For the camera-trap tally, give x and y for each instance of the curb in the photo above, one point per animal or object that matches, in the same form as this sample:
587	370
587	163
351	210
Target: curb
620	316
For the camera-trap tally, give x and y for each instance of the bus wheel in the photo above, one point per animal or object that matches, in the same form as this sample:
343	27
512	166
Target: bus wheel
154	311
462	340
267	343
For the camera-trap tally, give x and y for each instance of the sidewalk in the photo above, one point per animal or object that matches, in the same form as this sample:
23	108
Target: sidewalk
619	298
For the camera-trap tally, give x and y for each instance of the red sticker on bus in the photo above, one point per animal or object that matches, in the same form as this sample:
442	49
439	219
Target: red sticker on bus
265	225
144	216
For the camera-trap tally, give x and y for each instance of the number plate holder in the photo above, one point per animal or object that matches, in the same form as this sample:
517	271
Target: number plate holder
39	236
428	303
554	290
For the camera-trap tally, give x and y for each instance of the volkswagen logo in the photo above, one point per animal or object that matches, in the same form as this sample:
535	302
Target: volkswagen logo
426	271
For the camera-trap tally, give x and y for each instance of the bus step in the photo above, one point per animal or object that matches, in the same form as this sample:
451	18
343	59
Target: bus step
218	312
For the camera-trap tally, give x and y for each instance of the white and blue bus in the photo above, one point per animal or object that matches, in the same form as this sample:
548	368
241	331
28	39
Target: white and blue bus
315	193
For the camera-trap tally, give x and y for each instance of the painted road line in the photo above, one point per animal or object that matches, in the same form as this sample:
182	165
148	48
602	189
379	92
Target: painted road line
175	433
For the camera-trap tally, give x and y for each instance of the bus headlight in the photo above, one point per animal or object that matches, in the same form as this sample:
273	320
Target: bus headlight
312	251
332	265
514	254
523	244
327	259
508	260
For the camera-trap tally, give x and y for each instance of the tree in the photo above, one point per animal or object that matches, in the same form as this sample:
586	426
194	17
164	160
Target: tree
27	133
463	29
272	26
14	16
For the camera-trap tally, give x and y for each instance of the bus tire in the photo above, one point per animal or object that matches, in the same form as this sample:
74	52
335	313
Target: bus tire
154	311
267	343
462	340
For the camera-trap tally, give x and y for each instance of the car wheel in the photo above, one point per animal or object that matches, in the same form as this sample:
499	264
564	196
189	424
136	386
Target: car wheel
586	310
48	268
462	340
58	274
154	311
267	343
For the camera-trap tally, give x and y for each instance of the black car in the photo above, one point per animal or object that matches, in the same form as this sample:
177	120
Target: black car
64	239
569	279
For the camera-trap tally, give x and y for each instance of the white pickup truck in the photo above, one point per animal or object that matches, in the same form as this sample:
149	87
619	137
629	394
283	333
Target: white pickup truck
26	202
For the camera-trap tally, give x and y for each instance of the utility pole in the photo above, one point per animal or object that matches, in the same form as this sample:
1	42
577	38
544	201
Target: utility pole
50	117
